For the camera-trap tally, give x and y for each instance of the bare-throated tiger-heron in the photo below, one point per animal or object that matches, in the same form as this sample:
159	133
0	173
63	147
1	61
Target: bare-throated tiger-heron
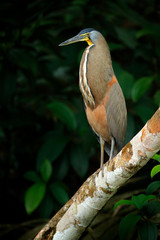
104	101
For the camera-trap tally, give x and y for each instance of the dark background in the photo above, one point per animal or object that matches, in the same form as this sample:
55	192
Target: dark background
42	119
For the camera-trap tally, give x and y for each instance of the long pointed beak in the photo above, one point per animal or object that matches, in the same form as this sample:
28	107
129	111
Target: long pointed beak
77	38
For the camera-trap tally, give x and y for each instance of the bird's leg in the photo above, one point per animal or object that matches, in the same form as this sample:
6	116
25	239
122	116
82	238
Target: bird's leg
112	148
102	142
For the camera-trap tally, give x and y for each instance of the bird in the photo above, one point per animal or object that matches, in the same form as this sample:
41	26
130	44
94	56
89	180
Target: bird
104	101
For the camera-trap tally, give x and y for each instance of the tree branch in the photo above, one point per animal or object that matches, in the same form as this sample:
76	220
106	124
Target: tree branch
77	214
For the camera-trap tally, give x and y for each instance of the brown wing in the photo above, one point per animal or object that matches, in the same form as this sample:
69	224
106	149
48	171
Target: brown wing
117	115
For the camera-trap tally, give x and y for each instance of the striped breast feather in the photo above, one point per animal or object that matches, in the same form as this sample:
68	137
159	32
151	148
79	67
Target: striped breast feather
83	81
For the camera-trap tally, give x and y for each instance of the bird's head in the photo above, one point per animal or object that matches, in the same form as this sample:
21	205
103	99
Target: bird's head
88	34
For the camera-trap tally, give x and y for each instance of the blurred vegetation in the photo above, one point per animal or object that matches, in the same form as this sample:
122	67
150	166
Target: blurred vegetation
145	218
47	148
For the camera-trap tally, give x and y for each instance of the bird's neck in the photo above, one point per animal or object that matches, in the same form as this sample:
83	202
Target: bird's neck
95	73
83	80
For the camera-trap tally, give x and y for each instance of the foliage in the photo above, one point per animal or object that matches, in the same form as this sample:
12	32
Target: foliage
147	207
36	193
44	133
156	169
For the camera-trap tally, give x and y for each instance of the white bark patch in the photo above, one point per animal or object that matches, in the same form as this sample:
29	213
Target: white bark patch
116	178
136	146
69	233
151	140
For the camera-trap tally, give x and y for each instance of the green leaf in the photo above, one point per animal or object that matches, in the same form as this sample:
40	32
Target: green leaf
151	209
64	113
115	46
122	202
34	196
79	160
156	157
58	190
127	224
46	170
32	176
126	81
144	112
128	38
130	128
152	187
117	69
147	231
140	200
52	148
140	87
24	59
154	32
47	206
62	168
155	170
157	98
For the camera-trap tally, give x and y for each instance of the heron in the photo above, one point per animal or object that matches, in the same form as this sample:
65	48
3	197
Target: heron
104	101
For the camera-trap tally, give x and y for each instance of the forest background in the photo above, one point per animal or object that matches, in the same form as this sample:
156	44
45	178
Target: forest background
47	148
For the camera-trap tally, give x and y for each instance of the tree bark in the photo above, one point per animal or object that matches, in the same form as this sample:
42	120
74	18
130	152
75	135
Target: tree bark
74	217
